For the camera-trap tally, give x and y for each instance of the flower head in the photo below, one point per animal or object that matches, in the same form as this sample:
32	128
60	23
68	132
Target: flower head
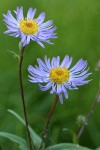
28	28
58	76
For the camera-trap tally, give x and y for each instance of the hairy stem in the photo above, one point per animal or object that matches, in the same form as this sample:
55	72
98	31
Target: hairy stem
22	96
44	134
89	114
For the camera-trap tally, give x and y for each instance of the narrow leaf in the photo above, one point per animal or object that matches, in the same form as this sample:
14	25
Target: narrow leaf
15	138
97	148
67	146
14	54
36	139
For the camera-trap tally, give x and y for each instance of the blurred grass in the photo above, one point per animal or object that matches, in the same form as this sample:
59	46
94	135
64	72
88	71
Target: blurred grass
78	31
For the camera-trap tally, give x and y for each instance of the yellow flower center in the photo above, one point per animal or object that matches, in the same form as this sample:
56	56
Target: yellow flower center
28	26
59	75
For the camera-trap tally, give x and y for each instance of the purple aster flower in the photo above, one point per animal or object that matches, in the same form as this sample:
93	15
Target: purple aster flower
28	28
58	76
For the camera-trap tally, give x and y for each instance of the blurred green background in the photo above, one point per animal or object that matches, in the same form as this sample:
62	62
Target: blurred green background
78	31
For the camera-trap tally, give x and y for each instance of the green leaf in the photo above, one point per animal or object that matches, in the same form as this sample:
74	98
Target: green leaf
23	147
97	148
22	143
73	133
14	54
67	146
35	138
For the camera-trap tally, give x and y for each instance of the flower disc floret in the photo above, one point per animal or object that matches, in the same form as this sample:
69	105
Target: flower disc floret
59	77
28	26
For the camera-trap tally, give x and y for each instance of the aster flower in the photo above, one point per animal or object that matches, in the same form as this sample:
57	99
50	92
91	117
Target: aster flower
58	76
28	28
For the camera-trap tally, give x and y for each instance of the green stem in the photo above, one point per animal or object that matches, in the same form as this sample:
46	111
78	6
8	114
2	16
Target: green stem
44	134
22	96
91	111
89	114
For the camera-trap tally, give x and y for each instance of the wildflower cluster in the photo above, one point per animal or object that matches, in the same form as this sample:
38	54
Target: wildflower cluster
53	75
57	76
